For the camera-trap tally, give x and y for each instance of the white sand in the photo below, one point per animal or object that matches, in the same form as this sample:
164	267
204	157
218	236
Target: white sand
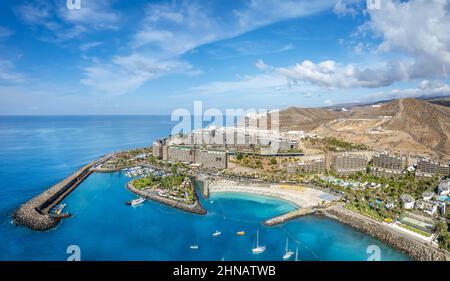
305	198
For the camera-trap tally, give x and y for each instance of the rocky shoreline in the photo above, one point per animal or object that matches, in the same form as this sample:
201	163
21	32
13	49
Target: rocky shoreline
418	250
195	208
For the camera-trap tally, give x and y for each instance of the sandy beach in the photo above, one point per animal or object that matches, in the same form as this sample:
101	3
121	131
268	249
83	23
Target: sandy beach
303	197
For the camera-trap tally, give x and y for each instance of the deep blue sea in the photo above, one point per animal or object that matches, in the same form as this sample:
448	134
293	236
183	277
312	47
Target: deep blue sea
37	152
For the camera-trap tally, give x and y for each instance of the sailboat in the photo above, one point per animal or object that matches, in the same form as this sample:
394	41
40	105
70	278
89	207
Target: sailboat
258	249
287	253
296	254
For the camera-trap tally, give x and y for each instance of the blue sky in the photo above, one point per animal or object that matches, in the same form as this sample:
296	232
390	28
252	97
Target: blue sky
151	57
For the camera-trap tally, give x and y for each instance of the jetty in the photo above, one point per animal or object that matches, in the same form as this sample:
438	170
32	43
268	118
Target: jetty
289	216
36	213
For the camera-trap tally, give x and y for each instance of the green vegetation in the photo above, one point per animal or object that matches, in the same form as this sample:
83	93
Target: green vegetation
444	236
365	210
174	186
168	181
129	158
250	161
372	201
335	145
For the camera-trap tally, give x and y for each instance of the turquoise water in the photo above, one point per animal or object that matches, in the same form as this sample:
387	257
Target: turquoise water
37	152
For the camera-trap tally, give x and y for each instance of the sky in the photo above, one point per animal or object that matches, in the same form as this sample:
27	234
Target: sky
153	57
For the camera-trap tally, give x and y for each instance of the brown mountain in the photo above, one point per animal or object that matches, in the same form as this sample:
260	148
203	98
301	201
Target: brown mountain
306	119
407	125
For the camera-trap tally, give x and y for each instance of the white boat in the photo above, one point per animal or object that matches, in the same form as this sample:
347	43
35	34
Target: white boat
287	253
217	233
258	249
194	247
138	201
296	254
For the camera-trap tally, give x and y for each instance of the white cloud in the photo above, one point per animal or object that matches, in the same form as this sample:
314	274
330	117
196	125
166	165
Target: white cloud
127	73
178	27
330	74
263	84
420	28
426	88
263	12
64	24
328	102
348	7
94	14
8	73
261	65
90	45
172	29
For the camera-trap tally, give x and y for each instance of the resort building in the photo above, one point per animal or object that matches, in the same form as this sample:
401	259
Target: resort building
389	163
212	159
444	187
205	158
181	154
157	148
407	200
428	207
345	163
312	164
427	195
427	167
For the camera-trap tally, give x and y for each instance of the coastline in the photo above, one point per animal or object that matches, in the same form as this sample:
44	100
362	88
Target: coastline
305	198
35	213
409	245
412	246
195	208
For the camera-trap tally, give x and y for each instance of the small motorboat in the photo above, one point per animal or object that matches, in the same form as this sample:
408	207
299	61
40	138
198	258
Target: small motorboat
240	233
217	233
194	247
136	202
60	208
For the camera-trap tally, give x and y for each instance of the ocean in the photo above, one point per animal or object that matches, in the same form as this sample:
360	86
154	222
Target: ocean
37	152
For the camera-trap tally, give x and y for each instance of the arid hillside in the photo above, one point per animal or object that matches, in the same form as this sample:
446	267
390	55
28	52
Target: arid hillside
407	126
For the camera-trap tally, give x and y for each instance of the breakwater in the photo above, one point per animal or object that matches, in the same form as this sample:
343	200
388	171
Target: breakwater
418	250
195	208
288	216
35	213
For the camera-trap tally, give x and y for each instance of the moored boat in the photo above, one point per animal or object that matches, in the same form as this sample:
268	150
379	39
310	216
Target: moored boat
136	202
287	253
60	208
258	249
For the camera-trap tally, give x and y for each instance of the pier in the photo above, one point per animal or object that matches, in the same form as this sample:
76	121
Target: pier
36	213
289	216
